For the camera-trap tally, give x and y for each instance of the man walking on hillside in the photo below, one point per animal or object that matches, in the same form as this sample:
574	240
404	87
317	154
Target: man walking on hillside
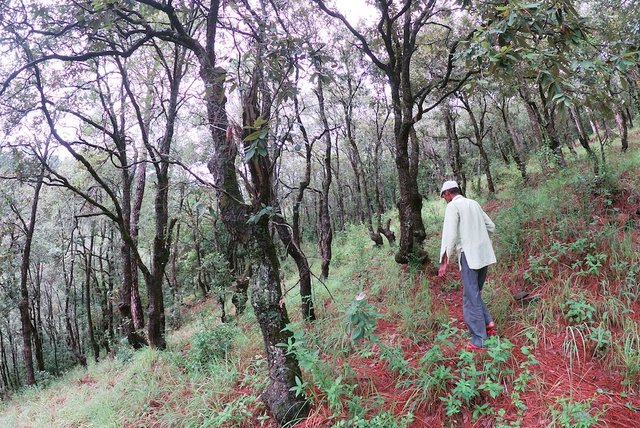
466	232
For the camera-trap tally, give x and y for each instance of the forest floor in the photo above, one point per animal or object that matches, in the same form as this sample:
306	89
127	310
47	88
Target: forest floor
577	379
565	295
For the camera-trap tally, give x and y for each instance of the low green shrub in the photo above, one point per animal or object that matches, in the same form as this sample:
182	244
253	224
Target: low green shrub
385	419
573	414
212	345
577	310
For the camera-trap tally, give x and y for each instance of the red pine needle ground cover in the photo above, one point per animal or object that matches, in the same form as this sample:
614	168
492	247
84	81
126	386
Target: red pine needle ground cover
583	377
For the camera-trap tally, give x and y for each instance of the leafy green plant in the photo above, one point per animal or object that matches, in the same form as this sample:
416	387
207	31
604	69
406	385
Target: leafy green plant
630	289
573	414
361	319
393	356
256	141
336	385
472	380
580	245
593	263
576	310
538	268
601	338
385	419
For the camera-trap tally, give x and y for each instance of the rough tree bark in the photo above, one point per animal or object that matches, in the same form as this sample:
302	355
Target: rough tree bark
325	234
265	287
23	305
621	122
88	270
137	314
584	138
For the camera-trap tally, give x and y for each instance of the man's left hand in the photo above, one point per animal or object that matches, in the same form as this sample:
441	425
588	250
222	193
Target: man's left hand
442	272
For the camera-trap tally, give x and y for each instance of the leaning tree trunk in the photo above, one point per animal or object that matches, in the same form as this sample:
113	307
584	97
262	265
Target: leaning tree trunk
290	235
304	271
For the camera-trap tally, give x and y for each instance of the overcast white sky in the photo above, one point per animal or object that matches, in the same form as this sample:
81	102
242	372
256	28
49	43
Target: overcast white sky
355	10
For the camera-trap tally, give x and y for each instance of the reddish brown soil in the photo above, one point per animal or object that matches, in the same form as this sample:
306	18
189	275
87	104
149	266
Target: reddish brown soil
582	378
588	379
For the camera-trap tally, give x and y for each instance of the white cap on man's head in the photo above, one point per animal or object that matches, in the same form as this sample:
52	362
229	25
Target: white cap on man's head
451	184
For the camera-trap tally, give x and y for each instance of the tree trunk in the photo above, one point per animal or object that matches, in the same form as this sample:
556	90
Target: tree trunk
266	294
14	356
325	234
4	366
124	303
267	302
362	186
584	138
137	314
513	139
202	285
621	121
629	116
27	328
36	317
535	121
380	207
88	262
419	233
163	226
339	193
453	150
72	339
291	236
294	250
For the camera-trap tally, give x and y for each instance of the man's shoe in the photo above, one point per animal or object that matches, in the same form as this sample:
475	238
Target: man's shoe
471	347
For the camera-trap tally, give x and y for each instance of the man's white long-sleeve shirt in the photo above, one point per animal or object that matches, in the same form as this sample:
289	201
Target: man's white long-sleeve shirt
466	229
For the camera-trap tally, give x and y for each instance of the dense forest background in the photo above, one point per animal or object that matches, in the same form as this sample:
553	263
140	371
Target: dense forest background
159	153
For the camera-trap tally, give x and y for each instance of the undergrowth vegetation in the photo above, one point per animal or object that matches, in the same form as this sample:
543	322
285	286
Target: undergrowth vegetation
384	351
